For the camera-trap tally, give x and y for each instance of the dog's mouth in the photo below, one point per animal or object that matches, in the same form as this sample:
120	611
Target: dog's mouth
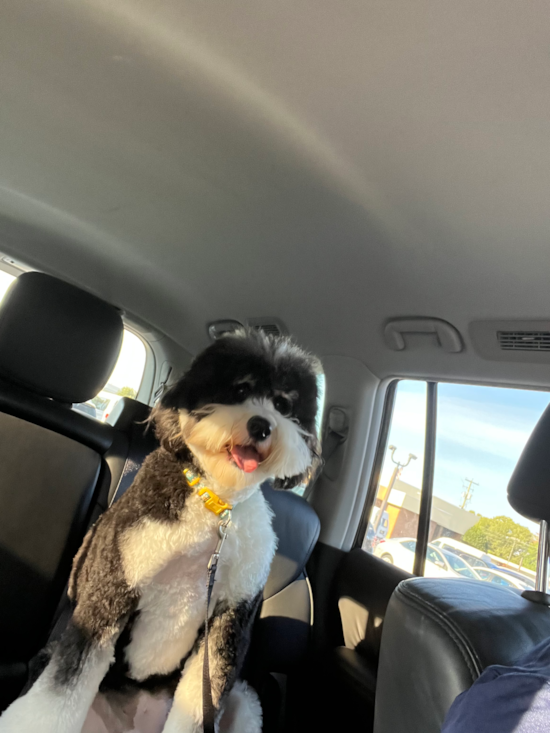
245	457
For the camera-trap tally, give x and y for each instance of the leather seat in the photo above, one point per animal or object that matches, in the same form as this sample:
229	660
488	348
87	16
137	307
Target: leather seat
439	634
58	346
282	629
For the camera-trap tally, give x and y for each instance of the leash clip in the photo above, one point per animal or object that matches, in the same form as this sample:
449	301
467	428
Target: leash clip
223	528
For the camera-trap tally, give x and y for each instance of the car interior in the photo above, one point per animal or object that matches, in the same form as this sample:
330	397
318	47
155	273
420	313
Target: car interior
370	179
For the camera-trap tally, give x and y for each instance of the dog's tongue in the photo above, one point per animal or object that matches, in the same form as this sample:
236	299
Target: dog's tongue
246	457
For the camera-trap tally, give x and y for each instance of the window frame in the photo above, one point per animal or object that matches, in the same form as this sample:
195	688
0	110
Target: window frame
380	452
426	489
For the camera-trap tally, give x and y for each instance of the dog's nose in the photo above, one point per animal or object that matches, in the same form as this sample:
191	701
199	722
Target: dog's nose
258	428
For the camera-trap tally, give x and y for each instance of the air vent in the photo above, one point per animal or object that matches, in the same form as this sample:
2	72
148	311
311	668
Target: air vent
524	340
271	326
220	328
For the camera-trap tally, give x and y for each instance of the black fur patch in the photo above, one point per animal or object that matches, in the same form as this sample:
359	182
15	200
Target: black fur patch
230	632
98	586
70	654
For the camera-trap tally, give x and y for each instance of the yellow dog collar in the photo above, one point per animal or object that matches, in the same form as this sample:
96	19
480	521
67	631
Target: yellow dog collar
211	500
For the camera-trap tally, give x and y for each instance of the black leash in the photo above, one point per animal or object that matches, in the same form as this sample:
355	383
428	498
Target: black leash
208	709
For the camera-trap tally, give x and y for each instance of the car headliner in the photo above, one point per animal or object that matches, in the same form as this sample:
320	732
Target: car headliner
334	164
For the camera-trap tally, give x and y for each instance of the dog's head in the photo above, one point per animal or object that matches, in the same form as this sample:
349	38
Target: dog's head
246	410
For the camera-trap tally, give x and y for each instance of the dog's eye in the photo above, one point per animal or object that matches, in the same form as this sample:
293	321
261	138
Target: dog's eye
243	390
282	405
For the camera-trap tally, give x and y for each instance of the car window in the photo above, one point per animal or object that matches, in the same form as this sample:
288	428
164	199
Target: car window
475	562
455	562
485	574
433	556
401	469
480	433
460	567
125	380
498	580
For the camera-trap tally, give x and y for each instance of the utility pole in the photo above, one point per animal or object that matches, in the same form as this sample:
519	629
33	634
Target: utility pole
467	493
395	475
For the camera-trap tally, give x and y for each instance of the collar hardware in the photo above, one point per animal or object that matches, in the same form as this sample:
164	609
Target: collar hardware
211	500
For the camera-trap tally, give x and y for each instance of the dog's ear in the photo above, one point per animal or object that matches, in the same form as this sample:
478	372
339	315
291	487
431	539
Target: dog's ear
309	477
167	427
177	395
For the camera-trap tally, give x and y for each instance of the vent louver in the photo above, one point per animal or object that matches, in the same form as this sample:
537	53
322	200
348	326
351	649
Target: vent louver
524	340
268	324
271	328
220	328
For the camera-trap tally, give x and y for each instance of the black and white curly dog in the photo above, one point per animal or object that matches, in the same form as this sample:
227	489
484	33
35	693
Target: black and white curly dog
243	413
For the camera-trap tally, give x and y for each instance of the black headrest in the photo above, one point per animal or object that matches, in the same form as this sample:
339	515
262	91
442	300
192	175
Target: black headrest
529	487
56	339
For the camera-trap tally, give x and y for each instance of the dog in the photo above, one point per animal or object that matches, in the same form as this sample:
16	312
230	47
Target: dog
243	413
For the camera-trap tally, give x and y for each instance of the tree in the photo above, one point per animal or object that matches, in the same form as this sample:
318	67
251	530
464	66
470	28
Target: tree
128	392
502	537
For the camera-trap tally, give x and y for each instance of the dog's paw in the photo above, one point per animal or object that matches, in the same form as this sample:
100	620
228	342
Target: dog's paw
242	712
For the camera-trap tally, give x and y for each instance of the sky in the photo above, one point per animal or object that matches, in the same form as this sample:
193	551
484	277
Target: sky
481	432
128	370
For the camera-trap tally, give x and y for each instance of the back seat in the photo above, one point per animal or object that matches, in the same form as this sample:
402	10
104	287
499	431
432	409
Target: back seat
61	469
58	346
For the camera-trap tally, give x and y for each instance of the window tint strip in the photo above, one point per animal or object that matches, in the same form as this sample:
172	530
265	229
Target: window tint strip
423	532
389	402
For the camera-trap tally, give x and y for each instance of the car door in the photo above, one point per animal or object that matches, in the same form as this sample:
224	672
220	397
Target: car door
428	434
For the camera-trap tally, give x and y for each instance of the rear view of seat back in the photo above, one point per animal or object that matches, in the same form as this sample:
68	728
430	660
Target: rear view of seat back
58	346
439	635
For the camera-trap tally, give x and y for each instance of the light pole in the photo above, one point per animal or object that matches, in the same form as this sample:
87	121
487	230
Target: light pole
395	475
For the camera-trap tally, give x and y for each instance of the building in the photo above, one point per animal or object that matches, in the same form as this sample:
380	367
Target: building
403	508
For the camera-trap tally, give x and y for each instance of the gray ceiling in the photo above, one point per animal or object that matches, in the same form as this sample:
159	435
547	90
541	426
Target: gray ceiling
331	163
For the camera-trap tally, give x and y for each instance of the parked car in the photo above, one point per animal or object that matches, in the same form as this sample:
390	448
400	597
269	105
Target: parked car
104	403
400	552
86	407
475	558
481	561
523	580
499	577
451	562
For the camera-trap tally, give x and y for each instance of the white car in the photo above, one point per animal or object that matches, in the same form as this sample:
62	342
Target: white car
452	562
505	579
400	552
474	557
104	403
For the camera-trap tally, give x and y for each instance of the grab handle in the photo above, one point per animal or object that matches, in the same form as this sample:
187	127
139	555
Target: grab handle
447	335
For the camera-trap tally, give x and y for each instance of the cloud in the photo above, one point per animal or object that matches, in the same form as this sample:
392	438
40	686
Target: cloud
495	429
480	435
